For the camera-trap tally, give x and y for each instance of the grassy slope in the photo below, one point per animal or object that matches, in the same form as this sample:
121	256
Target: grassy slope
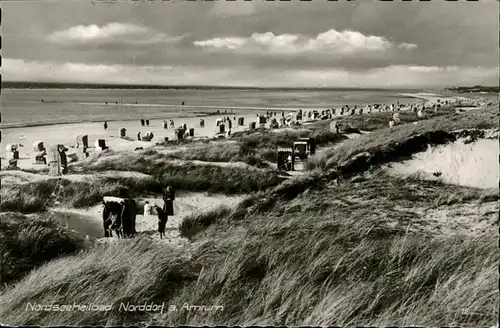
36	197
27	242
311	252
346	254
189	177
384	139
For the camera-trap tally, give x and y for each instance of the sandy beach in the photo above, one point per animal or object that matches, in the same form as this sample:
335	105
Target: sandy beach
66	134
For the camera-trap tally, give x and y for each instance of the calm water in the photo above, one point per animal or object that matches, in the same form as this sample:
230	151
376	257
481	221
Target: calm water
25	106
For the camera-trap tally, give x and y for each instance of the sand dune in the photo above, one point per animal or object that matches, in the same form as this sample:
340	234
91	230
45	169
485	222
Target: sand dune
473	165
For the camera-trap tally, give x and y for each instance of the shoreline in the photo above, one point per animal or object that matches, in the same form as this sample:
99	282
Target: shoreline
15	125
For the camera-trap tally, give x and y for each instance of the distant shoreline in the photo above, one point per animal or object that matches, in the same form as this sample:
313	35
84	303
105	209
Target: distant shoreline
83	86
18	125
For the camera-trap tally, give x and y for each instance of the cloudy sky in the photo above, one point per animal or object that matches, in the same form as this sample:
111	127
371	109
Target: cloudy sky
257	43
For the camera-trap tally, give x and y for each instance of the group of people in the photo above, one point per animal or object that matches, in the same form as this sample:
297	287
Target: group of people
119	215
170	123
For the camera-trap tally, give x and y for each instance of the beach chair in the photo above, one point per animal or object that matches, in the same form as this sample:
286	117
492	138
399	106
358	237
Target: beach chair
222	128
282	159
252	125
38	146
311	145
300	149
123	132
82	140
241	121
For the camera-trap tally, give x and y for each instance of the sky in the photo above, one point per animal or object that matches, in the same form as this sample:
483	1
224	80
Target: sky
365	44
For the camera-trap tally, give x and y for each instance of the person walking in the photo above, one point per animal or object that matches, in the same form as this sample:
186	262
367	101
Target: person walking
105	125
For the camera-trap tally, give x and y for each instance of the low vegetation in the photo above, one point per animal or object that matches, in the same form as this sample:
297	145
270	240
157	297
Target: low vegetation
28	242
367	249
357	252
38	196
385	140
265	144
217	152
188	176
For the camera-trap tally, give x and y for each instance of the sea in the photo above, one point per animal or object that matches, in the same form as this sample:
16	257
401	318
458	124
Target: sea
31	107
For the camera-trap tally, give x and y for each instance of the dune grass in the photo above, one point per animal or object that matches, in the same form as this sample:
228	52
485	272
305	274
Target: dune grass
385	140
264	144
352	253
187	177
37	196
28	242
195	223
218	152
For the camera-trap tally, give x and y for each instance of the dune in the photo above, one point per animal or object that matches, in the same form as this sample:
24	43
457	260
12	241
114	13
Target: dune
474	164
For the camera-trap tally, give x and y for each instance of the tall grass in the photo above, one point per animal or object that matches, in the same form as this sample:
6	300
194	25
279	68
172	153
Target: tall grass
337	258
38	196
27	242
265	144
218	152
190	177
133	271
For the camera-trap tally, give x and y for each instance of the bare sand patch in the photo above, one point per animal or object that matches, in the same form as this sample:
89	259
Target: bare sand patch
473	165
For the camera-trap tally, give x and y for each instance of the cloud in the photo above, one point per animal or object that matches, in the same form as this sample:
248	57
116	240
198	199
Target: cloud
110	34
228	43
393	76
331	42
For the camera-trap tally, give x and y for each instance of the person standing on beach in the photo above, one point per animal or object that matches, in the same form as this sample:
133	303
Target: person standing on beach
139	135
105	125
168	200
